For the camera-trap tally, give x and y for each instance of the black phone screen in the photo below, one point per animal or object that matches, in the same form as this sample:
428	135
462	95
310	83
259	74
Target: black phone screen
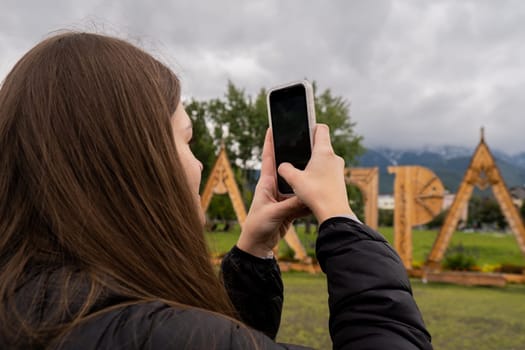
291	135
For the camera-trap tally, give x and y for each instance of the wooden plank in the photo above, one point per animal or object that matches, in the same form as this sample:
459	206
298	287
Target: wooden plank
467	278
367	180
514	278
287	266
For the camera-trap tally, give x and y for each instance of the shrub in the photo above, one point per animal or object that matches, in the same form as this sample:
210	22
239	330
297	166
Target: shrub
438	220
416	264
386	217
459	258
286	253
491	268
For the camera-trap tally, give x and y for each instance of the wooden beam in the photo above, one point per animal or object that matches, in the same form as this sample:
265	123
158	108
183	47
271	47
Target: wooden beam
367	180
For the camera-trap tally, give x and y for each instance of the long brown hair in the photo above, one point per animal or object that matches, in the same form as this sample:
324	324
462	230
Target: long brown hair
90	182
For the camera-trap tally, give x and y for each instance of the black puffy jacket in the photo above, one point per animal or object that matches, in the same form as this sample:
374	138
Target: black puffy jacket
370	299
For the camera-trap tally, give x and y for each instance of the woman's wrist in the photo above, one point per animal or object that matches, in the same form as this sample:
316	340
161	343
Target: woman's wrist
259	250
326	213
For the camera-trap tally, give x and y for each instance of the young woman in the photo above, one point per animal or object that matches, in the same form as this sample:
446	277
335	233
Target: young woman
101	231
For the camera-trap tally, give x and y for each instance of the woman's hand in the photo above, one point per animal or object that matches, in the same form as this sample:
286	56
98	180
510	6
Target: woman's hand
268	218
321	185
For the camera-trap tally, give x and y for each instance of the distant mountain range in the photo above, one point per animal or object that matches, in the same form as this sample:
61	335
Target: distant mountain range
449	163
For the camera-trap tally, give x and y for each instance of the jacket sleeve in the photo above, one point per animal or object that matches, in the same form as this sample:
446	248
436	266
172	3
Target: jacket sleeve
255	288
370	297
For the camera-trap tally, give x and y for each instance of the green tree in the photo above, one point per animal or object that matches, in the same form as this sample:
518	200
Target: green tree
474	219
221	208
485	210
438	220
203	144
335	112
386	217
241	122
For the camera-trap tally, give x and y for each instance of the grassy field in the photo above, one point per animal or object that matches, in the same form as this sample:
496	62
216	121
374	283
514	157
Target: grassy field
488	248
457	317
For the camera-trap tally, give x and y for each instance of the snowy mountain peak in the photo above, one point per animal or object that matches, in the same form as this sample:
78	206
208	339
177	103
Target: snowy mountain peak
445	152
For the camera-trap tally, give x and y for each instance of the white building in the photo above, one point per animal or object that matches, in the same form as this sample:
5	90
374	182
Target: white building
385	202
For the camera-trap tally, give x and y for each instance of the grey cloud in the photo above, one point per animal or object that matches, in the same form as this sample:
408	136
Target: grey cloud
415	72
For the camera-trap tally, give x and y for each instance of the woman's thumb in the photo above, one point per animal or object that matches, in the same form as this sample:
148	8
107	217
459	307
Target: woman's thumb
289	173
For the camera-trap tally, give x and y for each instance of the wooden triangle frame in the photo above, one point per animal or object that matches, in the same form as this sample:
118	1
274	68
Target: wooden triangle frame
482	172
222	181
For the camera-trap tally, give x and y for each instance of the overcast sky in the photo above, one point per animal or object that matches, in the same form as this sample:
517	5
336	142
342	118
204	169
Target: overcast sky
415	72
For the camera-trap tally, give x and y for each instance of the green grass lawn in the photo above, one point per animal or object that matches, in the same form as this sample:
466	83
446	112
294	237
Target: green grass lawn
457	317
221	242
488	248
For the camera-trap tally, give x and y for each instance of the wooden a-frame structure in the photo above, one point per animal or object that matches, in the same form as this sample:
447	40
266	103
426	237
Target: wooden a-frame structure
222	181
482	172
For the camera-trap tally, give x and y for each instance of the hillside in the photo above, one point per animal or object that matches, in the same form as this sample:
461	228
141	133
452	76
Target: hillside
449	164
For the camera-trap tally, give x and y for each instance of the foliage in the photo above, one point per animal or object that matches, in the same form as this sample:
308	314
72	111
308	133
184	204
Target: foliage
459	258
490	267
221	208
241	123
356	200
286	253
202	144
437	221
485	211
335	112
386	217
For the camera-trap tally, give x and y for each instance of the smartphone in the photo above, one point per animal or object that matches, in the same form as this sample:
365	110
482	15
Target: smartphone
291	114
